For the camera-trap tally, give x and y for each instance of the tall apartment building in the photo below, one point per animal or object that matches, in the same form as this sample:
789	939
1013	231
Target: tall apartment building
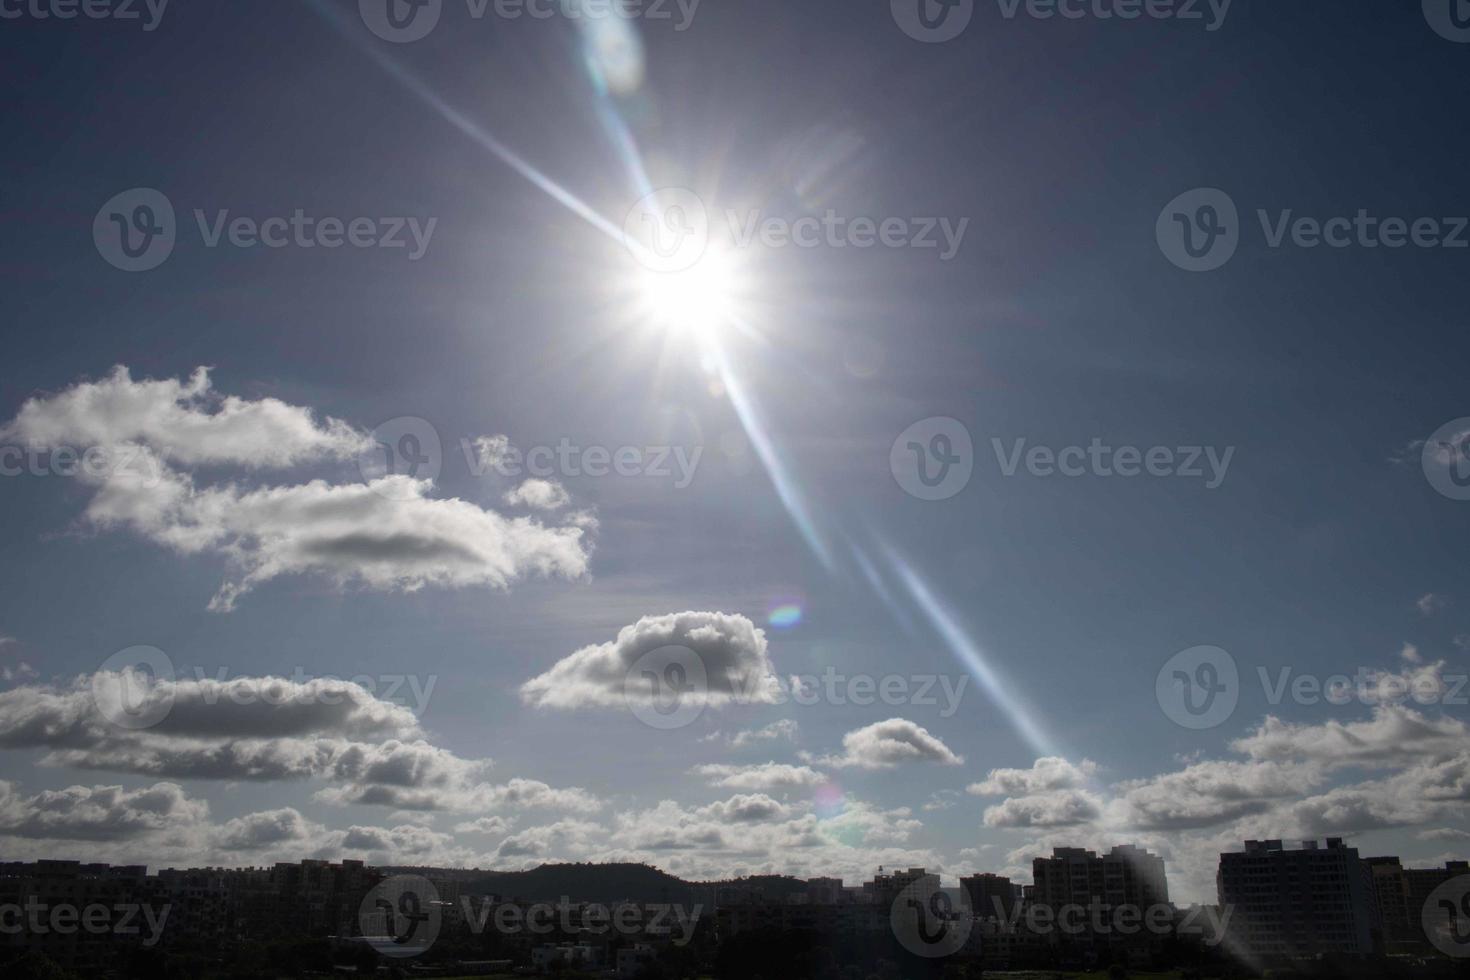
990	895
1299	903
884	889
824	891
1126	875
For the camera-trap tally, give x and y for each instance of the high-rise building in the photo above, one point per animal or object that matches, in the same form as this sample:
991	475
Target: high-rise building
1126	875
990	896
1391	893
1299	903
1126	878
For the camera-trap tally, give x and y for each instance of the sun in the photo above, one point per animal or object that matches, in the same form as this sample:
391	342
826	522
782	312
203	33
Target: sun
698	302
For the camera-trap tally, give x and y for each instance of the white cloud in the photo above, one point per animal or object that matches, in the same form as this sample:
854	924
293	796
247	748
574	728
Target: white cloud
1047	773
1395	735
538	494
1209	793
268	828
768	776
182	421
786	729
1430	603
388	534
1052	808
98	813
730	651
885	744
268	729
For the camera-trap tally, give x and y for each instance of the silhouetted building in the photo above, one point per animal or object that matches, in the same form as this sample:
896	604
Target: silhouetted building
1298	903
991	896
1126	875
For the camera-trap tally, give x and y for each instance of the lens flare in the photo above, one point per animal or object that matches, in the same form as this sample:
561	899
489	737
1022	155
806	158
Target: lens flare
785	616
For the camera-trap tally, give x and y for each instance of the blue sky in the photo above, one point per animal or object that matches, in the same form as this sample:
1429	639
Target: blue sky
1058	319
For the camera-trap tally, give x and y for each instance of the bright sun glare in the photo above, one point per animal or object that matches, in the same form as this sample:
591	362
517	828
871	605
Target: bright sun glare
697	301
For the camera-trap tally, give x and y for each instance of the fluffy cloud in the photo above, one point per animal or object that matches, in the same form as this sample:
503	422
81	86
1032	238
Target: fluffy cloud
885	744
97	813
727	649
772	777
1209	793
786	729
1394	735
266	729
269	828
1054	808
1047	773
183	421
387	534
538	494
